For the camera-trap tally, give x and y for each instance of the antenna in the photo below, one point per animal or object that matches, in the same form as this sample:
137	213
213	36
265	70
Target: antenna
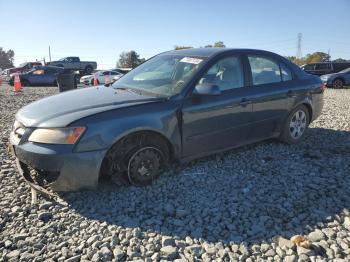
300	36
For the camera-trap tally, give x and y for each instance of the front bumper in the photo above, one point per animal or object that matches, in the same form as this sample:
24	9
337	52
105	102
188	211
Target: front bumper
56	167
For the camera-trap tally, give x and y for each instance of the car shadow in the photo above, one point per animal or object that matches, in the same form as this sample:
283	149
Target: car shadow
249	194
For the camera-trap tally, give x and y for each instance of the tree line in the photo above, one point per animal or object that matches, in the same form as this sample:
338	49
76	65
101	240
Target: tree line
132	59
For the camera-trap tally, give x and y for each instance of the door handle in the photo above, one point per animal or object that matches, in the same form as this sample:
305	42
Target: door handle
291	93
245	102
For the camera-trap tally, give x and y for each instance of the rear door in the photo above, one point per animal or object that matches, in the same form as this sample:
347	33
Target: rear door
216	122
274	95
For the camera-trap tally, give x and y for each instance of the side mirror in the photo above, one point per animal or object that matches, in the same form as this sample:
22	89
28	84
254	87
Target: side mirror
206	89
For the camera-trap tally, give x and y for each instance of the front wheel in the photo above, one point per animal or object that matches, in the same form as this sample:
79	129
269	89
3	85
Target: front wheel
295	125
138	158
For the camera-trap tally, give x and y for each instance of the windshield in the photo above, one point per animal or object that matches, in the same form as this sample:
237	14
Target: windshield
345	70
163	75
62	59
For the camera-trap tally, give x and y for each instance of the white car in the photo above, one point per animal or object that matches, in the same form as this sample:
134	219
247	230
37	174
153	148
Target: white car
102	77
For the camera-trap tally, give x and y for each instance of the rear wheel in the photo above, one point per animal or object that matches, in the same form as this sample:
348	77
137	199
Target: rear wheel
338	83
296	125
88	70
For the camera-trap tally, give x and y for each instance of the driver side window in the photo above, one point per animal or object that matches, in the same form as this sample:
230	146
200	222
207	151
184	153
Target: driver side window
227	74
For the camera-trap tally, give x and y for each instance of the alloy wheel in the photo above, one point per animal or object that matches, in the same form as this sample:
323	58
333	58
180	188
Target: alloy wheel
297	124
338	83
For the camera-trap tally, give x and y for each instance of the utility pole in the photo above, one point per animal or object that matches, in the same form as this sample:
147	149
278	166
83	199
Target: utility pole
329	54
300	36
50	53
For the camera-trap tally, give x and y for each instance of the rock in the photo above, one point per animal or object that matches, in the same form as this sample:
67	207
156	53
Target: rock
270	253
168	241
8	243
92	239
347	223
301	250
283	242
13	254
45	205
45	216
106	253
316	236
169	252
291	258
74	259
118	253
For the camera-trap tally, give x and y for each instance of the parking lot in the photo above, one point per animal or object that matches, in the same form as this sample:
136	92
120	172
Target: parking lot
243	203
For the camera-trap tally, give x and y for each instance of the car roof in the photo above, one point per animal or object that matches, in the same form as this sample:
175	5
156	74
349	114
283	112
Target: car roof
211	51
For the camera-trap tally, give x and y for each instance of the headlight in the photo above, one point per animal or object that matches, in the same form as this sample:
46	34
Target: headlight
67	135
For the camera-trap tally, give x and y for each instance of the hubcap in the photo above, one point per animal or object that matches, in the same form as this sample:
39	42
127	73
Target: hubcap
297	124
144	165
338	83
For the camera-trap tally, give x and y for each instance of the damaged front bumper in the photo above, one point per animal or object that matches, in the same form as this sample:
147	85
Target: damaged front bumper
48	167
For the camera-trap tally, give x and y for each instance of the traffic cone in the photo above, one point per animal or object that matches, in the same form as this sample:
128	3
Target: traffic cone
17	84
95	81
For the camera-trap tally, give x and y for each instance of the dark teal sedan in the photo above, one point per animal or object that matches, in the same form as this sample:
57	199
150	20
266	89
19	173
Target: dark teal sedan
177	106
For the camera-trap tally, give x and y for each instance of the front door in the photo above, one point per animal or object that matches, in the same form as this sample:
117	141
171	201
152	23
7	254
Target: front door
216	122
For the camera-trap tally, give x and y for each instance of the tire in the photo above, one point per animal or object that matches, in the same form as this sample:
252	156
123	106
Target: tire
137	159
338	83
296	125
25	83
88	70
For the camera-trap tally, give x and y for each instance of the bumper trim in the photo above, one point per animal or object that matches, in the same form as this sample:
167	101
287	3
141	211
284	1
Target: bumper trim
24	172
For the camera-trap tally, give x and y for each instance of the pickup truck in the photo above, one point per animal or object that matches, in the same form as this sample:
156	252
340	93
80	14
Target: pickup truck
74	63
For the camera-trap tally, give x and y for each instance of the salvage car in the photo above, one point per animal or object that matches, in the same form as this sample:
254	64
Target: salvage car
337	80
177	106
41	76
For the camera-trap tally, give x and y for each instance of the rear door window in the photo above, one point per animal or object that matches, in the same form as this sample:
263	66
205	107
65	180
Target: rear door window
264	70
286	73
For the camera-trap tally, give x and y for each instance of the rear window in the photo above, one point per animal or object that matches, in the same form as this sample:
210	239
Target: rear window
264	70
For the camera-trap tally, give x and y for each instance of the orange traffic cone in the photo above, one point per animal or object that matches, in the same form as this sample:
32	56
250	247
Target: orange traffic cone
17	84
95	81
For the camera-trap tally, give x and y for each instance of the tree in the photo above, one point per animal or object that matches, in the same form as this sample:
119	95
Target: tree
340	60
316	57
178	47
298	61
217	44
129	59
6	58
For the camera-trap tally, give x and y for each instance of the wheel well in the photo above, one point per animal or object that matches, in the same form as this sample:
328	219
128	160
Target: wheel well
339	78
309	108
144	133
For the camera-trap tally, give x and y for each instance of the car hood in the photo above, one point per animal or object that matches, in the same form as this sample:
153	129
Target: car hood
331	75
62	109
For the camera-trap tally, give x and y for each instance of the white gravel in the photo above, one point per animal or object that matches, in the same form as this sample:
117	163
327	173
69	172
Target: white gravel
243	205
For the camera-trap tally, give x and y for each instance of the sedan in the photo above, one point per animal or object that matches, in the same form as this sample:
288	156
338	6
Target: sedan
41	76
177	106
102	77
337	80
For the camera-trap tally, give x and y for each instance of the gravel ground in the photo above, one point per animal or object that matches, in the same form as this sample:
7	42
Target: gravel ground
243	205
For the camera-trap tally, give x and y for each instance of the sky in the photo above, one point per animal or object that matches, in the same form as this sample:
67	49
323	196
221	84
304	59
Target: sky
101	30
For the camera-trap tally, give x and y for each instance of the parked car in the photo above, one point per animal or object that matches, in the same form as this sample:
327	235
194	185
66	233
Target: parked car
325	67
44	75
337	80
74	63
177	106
122	70
24	67
101	77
